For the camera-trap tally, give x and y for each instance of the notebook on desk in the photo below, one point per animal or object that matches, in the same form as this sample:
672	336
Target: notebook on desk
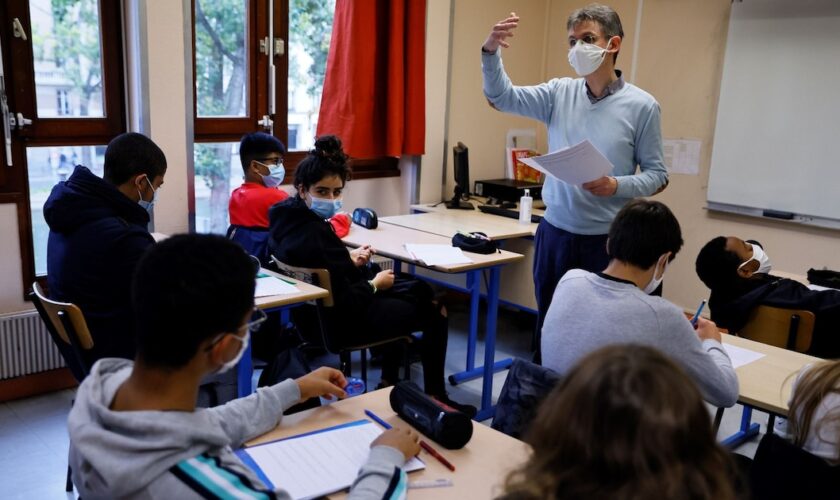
317	463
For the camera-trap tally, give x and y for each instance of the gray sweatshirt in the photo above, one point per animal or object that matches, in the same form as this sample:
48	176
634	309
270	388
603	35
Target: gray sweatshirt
188	455
589	311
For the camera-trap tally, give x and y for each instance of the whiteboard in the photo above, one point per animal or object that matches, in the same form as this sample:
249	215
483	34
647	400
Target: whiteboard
777	138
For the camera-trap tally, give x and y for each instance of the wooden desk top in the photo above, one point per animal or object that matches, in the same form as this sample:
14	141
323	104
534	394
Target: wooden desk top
305	292
389	240
766	383
480	466
452	221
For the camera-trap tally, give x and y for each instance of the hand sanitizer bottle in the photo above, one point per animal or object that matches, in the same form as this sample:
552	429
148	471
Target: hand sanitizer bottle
525	204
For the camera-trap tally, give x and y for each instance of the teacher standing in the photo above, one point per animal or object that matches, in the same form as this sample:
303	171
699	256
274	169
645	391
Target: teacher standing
621	120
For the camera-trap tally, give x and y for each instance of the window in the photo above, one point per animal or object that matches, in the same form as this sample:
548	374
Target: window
65	76
233	94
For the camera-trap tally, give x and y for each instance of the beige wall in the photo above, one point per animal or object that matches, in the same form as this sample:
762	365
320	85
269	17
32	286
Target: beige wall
679	60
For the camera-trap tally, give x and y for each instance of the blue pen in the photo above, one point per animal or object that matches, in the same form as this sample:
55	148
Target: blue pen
377	419
697	314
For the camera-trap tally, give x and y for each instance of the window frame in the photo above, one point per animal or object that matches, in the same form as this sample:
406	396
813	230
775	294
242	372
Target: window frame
54	131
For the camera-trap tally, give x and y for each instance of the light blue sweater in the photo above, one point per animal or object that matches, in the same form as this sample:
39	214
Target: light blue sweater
589	311
624	127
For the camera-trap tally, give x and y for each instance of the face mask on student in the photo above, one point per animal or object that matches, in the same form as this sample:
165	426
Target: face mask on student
148	204
244	340
654	282
761	257
276	174
585	58
324	208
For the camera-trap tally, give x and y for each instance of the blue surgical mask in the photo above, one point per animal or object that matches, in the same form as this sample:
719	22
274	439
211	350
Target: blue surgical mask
148	205
276	174
325	208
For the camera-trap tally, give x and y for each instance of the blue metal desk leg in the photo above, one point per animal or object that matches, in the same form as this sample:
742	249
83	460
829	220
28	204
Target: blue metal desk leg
747	431
245	368
474	286
244	373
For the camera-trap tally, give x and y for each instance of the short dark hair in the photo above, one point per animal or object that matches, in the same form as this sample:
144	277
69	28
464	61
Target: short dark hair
186	289
326	159
642	231
605	16
256	145
716	266
132	154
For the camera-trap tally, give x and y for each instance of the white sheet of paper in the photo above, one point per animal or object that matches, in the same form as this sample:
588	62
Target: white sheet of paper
437	255
269	285
322	463
575	165
682	156
741	356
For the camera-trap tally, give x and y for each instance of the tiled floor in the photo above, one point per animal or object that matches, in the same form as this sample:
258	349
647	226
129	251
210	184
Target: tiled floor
33	434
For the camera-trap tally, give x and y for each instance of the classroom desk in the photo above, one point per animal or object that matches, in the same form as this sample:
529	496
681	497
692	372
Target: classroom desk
449	223
389	240
764	384
283	302
480	466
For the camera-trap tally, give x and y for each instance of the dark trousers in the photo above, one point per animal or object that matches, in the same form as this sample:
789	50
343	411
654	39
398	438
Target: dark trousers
555	252
393	315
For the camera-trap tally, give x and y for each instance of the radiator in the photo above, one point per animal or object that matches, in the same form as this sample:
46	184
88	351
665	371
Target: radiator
384	262
25	346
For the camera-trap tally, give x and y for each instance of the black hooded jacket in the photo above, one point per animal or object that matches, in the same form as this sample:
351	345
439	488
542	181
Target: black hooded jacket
301	238
97	236
731	309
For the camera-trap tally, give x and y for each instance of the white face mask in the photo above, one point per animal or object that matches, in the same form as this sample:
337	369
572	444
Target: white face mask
244	340
585	58
763	260
654	282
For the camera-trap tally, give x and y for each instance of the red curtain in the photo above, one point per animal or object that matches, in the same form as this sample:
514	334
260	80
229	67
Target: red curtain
374	89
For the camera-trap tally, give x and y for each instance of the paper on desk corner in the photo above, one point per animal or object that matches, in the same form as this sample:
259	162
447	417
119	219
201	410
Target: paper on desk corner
270	285
740	356
437	255
575	165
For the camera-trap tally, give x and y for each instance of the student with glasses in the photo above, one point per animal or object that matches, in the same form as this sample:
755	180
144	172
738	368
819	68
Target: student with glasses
261	156
135	431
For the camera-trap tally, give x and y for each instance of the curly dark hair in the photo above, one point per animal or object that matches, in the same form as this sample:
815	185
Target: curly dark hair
327	158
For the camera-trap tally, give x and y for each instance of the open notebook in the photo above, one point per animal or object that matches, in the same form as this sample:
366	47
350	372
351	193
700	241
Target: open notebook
317	463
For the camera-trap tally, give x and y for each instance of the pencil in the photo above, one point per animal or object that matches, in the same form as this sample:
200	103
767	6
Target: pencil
697	314
426	446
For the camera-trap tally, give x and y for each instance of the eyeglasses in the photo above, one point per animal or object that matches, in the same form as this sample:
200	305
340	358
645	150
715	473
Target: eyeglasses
259	318
587	38
270	162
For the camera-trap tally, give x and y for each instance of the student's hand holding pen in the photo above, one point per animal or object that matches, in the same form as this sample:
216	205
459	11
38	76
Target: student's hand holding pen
324	381
405	440
707	330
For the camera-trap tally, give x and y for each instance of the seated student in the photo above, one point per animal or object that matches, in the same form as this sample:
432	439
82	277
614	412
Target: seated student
261	156
135	431
814	422
591	310
625	422
98	232
737	273
366	306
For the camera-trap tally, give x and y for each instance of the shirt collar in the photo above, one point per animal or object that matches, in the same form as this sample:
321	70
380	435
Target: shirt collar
611	89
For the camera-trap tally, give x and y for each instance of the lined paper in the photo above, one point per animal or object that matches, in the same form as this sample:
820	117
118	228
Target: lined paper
269	285
575	165
320	463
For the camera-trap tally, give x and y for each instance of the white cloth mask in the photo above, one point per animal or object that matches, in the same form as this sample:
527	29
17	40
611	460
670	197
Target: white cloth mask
585	58
759	255
244	340
654	282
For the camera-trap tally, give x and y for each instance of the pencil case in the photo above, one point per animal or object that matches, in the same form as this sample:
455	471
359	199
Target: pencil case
475	242
441	423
